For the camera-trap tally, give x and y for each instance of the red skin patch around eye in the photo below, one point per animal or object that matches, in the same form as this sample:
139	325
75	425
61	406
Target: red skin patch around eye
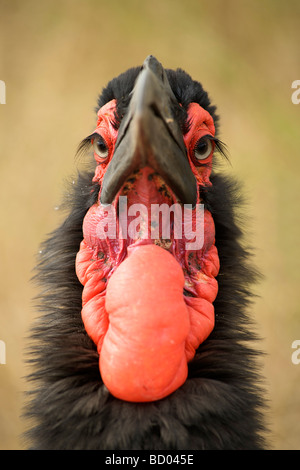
201	124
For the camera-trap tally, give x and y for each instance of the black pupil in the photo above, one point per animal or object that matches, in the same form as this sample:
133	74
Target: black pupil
101	146
202	146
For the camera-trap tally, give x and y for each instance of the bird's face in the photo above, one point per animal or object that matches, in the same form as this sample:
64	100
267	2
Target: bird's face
198	142
148	261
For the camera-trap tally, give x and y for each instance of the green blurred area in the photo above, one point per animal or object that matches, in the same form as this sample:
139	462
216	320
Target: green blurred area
56	56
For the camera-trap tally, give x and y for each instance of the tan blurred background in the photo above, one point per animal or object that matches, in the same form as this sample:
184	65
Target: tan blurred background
55	57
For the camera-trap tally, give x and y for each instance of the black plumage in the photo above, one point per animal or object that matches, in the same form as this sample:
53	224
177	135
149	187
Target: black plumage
220	406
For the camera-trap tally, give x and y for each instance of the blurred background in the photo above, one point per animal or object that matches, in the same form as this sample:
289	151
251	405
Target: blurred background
55	58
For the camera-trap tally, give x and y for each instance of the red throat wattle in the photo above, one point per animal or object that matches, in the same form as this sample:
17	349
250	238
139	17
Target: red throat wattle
147	300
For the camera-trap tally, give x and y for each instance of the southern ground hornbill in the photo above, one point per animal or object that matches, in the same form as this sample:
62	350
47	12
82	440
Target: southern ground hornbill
144	341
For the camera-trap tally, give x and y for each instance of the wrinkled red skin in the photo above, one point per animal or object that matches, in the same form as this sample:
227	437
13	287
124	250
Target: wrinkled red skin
142	359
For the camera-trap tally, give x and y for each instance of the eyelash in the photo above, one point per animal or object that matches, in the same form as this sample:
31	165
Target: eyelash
220	147
86	143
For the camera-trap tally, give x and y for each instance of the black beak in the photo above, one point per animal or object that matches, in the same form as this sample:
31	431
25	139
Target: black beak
150	136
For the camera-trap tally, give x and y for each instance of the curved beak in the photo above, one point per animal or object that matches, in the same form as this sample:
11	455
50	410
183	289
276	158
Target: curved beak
149	135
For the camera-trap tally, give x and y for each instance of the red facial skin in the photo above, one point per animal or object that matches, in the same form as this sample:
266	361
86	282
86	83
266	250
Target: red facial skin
147	304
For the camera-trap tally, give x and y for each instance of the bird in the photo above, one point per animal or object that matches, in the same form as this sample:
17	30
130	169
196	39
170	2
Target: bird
143	338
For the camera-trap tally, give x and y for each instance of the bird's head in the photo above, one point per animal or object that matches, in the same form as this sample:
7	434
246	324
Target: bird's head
148	261
155	133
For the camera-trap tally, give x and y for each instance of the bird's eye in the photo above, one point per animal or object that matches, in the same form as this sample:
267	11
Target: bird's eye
203	148
100	148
